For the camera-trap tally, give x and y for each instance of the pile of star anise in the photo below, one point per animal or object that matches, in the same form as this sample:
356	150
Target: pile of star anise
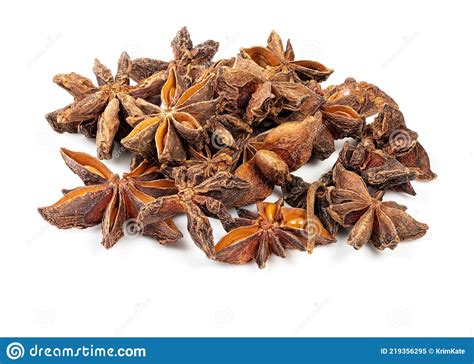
207	136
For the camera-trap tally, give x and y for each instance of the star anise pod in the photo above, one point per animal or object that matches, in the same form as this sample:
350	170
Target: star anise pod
234	125
293	102
272	229
280	150
243	149
99	111
162	131
392	135
280	62
314	197
378	169
145	67
249	91
111	201
291	141
198	200
189	60
337	122
245	90
365	98
205	165
383	224
226	133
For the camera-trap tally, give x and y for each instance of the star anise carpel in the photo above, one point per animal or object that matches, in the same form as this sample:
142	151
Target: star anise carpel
271	230
366	99
382	223
165	131
111	201
205	165
100	111
190	61
280	62
198	200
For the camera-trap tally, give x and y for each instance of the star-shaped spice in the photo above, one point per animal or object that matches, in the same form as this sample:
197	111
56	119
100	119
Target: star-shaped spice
249	91
383	224
337	122
392	135
205	165
198	200
163	131
378	169
279	151
365	98
191	61
100	111
111	201
272	229
314	197
280	62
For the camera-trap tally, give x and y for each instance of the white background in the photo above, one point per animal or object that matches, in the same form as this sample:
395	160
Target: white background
64	283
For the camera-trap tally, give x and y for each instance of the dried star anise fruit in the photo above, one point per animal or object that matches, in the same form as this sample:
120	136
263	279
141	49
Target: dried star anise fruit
335	122
365	98
162	131
314	197
279	151
190	61
378	169
383	224
198	200
392	135
249	91
280	62
205	165
111	201
272	229
99	111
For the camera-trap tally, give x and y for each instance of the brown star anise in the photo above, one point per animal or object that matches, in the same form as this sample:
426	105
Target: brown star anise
366	99
245	90
99	111
280	63
383	224
183	115
279	151
378	169
314	197
337	122
248	90
392	135
272	229
111	201
211	197
189	60
205	165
